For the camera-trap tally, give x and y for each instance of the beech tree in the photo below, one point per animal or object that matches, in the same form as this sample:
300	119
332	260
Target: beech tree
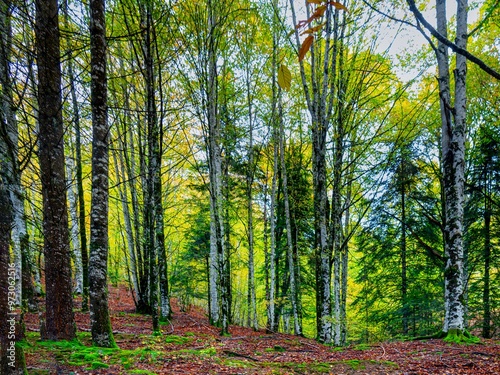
60	323
102	334
77	208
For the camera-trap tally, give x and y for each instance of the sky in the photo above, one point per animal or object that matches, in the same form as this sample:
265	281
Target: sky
410	40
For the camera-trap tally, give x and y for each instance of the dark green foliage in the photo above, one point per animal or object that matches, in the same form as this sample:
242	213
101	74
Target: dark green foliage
482	229
400	265
189	275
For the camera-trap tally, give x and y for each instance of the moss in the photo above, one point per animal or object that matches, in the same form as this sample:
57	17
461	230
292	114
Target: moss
97	365
362	347
178	340
237	363
275	348
145	372
208	352
355	364
458	336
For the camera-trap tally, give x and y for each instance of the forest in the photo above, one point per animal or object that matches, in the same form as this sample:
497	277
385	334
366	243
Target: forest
323	175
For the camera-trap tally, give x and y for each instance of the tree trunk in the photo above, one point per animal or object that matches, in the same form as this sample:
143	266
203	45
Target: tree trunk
11	353
486	332
404	279
74	229
219	298
291	264
60	323
78	227
272	322
10	135
453	164
102	334
122	190
153	168
251	300
319	92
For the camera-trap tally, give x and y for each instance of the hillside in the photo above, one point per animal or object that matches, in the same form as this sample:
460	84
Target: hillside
190	346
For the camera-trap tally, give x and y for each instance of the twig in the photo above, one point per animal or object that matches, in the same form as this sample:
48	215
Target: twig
383	355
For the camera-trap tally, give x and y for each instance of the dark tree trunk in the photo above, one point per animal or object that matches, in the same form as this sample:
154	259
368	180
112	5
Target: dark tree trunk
153	197
60	323
487	267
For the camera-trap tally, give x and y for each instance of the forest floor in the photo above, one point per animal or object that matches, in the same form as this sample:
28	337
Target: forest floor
189	345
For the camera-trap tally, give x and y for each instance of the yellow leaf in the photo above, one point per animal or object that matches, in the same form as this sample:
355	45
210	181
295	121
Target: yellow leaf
284	77
314	1
306	45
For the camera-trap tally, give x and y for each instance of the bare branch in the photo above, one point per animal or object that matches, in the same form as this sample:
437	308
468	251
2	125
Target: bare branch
480	63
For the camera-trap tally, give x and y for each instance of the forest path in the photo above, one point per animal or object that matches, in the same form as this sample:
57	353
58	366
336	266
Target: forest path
189	345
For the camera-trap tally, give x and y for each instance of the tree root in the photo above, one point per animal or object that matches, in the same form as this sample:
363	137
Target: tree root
453	336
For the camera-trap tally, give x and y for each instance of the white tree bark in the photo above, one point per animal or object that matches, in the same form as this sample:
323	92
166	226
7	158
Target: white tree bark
453	164
319	92
100	322
74	227
10	132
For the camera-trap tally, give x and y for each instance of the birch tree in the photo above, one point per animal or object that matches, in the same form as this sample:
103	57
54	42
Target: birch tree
19	232
11	353
453	131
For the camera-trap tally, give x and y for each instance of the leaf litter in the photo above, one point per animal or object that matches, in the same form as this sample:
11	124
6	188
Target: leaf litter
189	345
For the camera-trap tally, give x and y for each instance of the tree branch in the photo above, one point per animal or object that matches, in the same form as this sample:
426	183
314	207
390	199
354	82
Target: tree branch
480	63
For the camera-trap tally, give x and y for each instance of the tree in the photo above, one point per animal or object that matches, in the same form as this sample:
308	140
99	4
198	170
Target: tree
102	334
453	133
318	91
60	323
78	221
11	354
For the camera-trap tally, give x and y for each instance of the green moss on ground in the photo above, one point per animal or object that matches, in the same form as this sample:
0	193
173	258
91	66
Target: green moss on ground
458	336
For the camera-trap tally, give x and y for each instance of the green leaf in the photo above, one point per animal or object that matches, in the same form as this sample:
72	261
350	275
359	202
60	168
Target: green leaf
284	77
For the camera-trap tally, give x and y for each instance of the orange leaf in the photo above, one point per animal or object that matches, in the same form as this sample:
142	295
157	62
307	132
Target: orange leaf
301	24
338	6
313	29
306	45
319	11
